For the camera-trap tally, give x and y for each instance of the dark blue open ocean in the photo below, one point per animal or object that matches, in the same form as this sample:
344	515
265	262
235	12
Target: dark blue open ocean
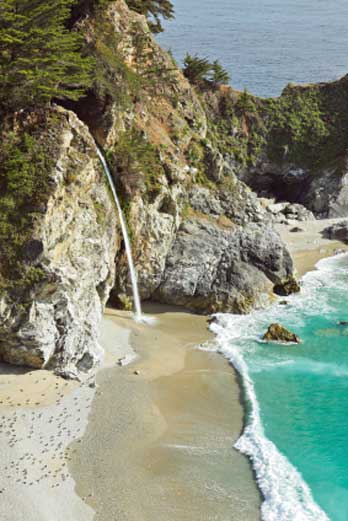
264	44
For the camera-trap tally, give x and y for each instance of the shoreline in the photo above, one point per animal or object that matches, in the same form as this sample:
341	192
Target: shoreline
157	444
174	438
308	246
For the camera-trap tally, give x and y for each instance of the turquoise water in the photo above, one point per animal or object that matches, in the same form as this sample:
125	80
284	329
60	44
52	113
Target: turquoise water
297	397
264	44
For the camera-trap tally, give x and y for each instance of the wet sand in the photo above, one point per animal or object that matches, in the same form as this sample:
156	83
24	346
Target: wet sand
151	446
159	444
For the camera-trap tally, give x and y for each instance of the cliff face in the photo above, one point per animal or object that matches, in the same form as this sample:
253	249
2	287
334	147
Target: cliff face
52	319
292	148
176	186
200	237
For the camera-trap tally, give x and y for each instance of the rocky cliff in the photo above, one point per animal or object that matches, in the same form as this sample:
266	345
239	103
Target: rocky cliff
292	148
54	291
201	238
193	224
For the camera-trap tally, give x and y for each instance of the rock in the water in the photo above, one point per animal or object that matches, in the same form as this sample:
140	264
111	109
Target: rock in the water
296	229
287	287
278	333
337	231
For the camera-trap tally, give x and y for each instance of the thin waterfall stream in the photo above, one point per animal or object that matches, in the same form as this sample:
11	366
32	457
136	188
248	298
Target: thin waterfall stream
133	275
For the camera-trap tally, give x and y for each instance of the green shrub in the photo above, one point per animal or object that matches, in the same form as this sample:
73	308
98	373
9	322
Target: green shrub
296	126
25	164
136	164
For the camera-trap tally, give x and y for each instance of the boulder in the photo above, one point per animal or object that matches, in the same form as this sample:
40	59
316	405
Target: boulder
287	287
296	229
337	231
212	269
278	333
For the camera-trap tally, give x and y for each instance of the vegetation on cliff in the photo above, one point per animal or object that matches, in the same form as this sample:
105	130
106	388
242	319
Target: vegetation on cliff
154	10
40	58
202	72
136	164
26	159
306	126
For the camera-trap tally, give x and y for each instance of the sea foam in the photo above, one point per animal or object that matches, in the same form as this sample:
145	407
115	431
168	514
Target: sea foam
286	495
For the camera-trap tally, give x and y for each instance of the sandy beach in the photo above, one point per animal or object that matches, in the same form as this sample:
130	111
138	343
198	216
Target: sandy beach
308	246
153	440
159	444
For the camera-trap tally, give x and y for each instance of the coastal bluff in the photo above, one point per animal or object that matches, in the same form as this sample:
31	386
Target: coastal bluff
189	169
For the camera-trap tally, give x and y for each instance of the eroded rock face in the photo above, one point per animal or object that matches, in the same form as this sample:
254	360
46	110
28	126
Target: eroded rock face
212	267
56	324
278	333
323	190
201	238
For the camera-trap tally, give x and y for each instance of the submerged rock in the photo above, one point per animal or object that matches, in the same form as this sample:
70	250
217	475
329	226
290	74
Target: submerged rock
278	333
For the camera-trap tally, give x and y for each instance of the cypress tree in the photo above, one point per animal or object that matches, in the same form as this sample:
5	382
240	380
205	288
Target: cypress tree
200	71
196	69
154	10
219	75
40	58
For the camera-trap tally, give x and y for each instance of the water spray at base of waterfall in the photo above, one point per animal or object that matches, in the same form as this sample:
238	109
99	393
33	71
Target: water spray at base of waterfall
149	321
139	317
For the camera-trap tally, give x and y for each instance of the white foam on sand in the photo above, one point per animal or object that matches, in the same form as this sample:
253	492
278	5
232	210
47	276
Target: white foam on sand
286	495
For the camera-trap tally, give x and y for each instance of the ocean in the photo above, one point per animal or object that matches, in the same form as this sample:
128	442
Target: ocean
264	44
296	397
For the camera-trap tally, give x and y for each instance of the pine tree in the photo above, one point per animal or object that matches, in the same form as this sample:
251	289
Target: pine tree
200	71
218	74
154	10
196	69
40	58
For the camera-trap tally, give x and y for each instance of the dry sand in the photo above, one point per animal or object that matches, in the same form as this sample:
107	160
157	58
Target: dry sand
40	415
309	246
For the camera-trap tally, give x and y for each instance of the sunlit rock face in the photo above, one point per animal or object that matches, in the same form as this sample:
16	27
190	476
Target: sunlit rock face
56	323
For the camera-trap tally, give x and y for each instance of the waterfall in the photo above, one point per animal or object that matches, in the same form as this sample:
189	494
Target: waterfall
133	275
